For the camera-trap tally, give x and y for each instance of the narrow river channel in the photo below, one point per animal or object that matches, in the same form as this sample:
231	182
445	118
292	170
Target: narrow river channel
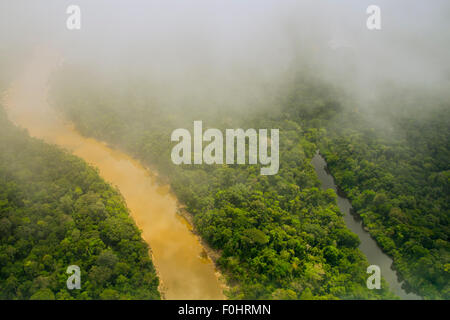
184	270
368	245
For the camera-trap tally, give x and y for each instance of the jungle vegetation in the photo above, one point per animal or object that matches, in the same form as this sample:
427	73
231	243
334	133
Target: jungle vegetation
279	237
393	164
56	211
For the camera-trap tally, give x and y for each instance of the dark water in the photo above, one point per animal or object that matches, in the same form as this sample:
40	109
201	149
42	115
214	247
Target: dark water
368	245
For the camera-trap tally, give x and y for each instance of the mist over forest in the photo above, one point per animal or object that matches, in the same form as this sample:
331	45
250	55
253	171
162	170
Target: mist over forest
240	54
374	104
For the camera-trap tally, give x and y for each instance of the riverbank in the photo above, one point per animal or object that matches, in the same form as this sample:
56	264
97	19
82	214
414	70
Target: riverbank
208	253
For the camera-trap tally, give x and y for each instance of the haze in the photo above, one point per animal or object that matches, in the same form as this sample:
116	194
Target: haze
237	54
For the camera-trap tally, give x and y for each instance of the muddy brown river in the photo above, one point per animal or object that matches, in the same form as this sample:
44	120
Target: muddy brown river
184	270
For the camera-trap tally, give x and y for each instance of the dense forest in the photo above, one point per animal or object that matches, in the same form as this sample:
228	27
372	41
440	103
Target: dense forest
394	166
279	237
55	211
400	187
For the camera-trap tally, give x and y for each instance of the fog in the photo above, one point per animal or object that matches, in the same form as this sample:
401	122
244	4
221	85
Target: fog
238	54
